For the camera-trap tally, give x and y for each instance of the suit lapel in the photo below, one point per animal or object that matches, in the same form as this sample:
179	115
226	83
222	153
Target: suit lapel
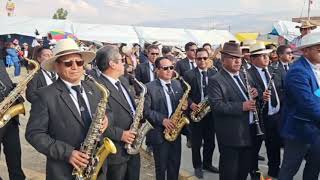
116	94
314	81
127	88
147	68
230	81
162	95
258	77
91	98
65	96
42	79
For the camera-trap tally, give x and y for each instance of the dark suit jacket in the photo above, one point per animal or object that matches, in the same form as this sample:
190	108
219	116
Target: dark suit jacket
182	66
301	110
156	109
231	122
143	72
122	119
279	79
55	127
37	82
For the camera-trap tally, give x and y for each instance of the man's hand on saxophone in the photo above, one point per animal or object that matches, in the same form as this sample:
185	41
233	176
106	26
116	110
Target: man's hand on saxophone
194	106
128	136
105	123
78	159
267	95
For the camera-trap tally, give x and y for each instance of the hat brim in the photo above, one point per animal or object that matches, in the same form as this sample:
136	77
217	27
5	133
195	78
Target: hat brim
87	56
266	51
306	46
305	27
245	47
232	54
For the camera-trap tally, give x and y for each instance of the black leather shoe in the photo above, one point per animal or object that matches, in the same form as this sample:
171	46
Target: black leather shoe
211	169
198	173
261	158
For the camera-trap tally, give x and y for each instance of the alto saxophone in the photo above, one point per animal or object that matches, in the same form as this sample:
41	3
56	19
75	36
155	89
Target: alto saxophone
140	128
202	111
96	154
7	111
178	118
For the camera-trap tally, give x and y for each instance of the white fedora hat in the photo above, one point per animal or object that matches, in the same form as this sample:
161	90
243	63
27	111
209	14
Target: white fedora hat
309	40
247	43
66	47
259	48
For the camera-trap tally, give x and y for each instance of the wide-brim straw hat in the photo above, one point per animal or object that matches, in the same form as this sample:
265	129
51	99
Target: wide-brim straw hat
307	24
232	49
67	47
247	43
259	48
309	40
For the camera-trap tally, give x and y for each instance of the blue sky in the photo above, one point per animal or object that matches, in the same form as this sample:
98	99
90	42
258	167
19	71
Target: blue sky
139	11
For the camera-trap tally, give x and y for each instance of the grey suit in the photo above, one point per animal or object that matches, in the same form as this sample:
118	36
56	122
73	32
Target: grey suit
120	165
55	127
142	72
37	82
183	66
232	126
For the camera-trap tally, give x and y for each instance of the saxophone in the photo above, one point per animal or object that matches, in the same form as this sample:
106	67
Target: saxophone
178	118
140	128
7	111
96	154
202	111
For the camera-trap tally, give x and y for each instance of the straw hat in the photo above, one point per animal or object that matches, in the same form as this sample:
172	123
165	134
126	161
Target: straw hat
247	43
232	49
66	47
309	40
306	24
259	48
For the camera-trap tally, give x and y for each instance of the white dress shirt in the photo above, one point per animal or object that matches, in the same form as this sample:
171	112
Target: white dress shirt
166	93
192	62
315	69
126	94
271	110
73	95
46	75
151	71
201	76
243	93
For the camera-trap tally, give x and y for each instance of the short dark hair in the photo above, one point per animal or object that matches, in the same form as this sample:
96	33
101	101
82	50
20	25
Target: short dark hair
281	49
201	50
158	61
152	46
40	49
188	45
206	44
104	55
166	50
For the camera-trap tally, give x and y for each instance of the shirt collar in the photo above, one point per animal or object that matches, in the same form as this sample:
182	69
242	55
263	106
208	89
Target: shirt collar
112	80
69	85
314	67
190	61
231	74
283	63
163	82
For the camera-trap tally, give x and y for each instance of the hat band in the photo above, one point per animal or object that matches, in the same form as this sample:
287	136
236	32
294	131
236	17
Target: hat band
67	51
257	50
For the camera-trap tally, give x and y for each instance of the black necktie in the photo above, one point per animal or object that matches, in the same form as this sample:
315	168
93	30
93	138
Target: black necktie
244	90
204	82
154	71
192	65
286	67
53	77
274	102
84	111
170	92
118	84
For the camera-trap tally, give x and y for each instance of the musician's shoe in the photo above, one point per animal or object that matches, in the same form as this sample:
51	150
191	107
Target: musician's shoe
198	173
211	168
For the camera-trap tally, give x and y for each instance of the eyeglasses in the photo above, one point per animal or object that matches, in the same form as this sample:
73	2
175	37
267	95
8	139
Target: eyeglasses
194	50
70	63
154	54
167	68
288	53
202	58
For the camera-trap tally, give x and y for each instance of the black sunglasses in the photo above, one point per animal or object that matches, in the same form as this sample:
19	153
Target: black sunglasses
70	63
202	58
154	54
167	67
288	53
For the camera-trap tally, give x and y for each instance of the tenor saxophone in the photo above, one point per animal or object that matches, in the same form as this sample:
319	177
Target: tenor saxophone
178	118
139	127
96	154
7	109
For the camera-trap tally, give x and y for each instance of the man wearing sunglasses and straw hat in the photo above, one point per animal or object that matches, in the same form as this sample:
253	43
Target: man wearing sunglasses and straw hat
301	129
61	115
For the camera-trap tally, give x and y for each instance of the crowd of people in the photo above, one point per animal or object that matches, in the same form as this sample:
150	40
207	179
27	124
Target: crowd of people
255	93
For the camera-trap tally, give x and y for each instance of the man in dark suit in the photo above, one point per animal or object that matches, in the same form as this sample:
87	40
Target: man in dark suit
121	166
188	63
301	128
233	117
42	78
161	101
203	130
145	72
269	108
62	114
9	134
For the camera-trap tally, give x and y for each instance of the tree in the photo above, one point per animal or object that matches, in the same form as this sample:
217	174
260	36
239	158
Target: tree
60	14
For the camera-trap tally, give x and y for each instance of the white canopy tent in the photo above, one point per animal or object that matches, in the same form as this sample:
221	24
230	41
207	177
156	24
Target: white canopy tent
112	33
